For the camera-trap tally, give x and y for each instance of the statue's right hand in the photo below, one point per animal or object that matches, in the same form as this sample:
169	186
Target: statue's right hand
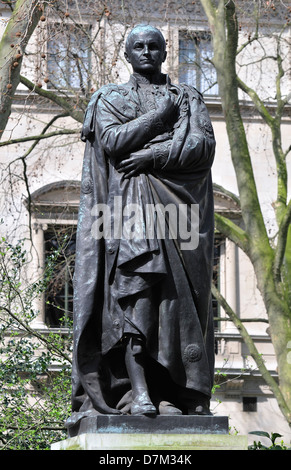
167	108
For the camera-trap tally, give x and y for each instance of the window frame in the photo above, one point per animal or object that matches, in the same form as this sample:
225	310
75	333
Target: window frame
56	203
50	309
198	64
84	84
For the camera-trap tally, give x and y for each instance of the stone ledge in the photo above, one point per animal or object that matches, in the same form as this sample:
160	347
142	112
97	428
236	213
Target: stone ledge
179	424
149	442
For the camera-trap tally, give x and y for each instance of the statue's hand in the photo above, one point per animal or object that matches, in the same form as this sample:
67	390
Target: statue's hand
168	108
138	162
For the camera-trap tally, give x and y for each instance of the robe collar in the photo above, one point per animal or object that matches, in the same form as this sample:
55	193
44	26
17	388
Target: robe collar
136	79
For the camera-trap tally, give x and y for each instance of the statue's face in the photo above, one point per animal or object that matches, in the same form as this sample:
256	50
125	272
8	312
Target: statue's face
145	52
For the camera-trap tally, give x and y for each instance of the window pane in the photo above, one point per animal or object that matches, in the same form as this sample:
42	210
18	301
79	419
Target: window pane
60	247
68	56
208	73
195	68
188	62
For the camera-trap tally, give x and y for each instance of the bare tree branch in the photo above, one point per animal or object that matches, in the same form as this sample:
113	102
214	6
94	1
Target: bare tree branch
66	104
39	137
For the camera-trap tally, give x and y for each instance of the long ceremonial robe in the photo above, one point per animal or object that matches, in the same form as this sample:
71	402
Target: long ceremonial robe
145	285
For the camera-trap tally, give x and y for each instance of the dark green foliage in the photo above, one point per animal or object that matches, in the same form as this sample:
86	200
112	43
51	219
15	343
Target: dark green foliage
35	368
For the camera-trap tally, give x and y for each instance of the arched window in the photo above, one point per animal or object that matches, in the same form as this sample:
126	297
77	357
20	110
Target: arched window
54	210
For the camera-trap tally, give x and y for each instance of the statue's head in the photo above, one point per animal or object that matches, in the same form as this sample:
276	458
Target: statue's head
145	49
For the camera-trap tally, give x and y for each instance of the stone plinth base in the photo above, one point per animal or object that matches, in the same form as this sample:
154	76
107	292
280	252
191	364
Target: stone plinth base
177	424
109	432
150	442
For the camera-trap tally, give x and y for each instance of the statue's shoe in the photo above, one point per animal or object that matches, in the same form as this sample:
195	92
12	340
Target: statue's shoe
142	405
167	408
199	409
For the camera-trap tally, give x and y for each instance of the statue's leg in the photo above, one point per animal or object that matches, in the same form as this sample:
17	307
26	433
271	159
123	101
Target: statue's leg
134	360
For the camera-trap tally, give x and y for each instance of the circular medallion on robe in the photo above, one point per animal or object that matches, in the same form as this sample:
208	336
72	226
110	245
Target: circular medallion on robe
192	353
87	186
205	126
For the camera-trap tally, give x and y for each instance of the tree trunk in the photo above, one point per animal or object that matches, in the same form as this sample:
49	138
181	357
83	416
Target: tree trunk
254	240
19	29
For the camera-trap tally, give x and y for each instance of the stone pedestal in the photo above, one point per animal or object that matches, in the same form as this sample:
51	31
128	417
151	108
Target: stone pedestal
169	433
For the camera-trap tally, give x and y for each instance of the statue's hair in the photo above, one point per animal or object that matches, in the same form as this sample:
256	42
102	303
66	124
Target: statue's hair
141	27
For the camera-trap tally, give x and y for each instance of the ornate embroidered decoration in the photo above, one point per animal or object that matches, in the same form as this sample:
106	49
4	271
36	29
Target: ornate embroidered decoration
184	107
152	123
158	124
192	353
146	123
206	127
141	79
123	90
87	186
161	153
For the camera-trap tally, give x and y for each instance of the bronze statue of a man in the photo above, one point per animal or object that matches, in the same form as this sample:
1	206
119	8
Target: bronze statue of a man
143	332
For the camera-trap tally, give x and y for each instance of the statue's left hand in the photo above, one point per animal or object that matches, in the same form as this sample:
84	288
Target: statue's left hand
138	162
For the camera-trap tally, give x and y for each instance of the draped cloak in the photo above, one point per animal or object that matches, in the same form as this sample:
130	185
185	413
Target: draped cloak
156	286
